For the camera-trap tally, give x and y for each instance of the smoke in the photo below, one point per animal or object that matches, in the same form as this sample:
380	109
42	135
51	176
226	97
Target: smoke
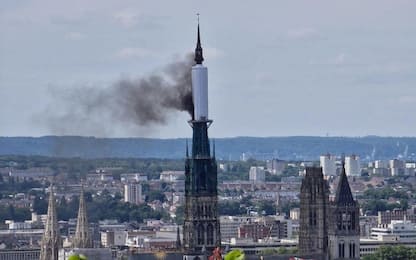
131	103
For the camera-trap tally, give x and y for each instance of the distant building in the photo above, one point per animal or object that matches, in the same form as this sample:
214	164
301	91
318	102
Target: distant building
111	238
276	166
294	214
133	193
17	254
229	226
100	177
410	169
352	165
18	225
257	174
380	164
133	177
385	217
397	167
172	176
397	230
328	164
36	173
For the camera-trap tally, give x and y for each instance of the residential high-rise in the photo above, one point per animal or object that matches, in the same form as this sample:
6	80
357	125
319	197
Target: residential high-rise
257	174
82	237
133	193
352	165
201	229
328	164
344	226
314	209
51	240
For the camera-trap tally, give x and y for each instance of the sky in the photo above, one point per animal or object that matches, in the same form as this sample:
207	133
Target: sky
276	68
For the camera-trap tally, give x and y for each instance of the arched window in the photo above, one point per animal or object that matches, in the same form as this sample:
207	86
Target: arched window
200	234
210	234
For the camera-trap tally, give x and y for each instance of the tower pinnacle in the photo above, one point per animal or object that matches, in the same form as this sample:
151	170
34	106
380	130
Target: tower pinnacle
51	240
82	234
198	50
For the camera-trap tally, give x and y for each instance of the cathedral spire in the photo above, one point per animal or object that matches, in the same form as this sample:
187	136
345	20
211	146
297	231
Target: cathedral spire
51	240
343	195
82	234
198	50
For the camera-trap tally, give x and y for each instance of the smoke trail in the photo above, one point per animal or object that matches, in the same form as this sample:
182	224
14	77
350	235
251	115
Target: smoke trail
141	102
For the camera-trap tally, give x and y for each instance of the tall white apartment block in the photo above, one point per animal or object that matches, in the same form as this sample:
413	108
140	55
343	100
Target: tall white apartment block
352	165
133	193
397	167
328	164
257	173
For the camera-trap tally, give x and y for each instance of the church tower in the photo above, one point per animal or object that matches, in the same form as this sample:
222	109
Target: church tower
314	209
82	237
51	240
201	229
344	227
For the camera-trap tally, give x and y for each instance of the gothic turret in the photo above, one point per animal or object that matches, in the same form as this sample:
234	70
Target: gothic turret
51	240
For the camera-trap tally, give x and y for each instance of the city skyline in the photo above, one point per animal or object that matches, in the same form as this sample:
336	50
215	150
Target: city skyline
276	69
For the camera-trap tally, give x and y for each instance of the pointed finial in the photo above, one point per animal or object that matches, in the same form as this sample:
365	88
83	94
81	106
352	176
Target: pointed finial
343	162
198	50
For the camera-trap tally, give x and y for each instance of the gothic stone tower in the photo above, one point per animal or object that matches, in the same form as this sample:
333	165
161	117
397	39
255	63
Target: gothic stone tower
314	209
51	240
82	237
201	229
344	227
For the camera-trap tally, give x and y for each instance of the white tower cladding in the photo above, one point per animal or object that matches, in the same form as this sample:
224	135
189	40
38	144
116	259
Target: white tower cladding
200	91
200	84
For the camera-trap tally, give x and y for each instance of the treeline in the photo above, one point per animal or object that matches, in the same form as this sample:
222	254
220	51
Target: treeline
101	207
378	200
9	212
72	169
393	253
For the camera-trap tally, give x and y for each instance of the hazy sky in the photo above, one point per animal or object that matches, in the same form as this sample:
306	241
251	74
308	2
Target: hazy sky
276	68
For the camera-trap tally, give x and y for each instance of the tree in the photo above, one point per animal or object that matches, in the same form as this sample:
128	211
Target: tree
40	205
282	250
155	195
393	253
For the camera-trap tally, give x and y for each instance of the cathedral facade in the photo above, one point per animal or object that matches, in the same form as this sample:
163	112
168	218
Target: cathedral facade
328	229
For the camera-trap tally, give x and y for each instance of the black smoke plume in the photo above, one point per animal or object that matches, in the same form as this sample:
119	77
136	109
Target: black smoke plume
141	102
